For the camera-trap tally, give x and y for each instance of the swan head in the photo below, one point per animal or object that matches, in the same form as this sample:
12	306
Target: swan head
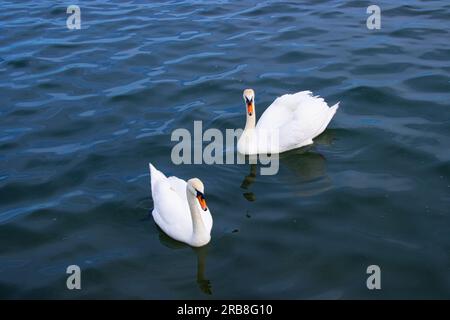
249	98
196	187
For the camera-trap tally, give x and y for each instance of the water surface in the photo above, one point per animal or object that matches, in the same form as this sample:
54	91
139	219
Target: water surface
84	111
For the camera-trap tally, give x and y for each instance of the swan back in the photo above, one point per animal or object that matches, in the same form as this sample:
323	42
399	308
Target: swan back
298	118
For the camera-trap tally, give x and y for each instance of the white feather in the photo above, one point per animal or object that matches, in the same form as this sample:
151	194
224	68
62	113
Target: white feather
171	210
292	120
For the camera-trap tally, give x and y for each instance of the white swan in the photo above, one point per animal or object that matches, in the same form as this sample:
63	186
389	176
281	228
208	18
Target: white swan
290	122
180	208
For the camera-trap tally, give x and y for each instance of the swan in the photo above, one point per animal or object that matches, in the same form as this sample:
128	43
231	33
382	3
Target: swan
180	208
290	122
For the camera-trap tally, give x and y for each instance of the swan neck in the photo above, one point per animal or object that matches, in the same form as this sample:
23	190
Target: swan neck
198	227
251	120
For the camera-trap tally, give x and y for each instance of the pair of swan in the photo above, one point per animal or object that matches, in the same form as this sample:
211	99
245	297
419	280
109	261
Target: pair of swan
290	122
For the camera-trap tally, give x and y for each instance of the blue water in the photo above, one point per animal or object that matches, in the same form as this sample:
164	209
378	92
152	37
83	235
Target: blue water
83	112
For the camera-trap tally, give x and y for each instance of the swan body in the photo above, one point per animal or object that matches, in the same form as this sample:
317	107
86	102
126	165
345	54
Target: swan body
180	208
291	121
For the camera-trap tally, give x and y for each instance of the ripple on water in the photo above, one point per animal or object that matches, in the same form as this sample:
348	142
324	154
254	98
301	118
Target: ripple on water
432	83
84	111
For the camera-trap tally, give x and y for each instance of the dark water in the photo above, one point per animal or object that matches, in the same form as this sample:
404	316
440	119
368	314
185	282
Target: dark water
83	112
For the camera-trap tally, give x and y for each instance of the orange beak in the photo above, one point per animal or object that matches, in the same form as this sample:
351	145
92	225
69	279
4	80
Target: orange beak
202	202
250	108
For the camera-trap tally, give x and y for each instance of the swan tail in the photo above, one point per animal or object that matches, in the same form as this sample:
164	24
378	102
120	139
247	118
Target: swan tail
333	110
155	175
335	107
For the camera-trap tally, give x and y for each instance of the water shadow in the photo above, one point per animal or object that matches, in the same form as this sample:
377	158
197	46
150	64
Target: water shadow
305	165
203	283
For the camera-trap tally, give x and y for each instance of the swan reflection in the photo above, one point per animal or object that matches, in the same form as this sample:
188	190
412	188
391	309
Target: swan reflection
201	252
307	169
